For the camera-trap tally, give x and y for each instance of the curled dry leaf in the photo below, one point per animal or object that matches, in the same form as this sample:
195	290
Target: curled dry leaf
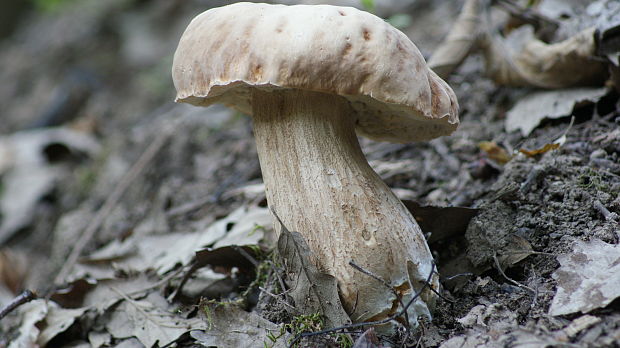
42	321
244	226
533	63
459	42
368	339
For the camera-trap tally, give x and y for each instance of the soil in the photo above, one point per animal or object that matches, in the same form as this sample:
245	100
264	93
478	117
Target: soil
111	62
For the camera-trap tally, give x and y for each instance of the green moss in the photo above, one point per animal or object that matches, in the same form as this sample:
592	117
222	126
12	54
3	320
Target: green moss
591	179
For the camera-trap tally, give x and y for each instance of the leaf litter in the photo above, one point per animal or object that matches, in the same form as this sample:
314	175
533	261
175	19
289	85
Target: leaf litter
588	278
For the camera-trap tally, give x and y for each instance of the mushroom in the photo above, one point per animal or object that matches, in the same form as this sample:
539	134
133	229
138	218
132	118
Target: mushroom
310	76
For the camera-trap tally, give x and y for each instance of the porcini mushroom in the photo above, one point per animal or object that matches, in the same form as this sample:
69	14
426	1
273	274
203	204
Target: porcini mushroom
310	76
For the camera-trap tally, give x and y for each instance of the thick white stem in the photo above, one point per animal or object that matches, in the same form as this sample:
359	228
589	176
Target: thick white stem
319	183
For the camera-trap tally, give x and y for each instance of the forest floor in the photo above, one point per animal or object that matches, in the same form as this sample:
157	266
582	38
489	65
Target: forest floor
96	159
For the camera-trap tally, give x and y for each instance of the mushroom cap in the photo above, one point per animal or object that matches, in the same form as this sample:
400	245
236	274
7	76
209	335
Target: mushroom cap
226	51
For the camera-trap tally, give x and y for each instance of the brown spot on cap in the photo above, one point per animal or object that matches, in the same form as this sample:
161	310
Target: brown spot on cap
435	96
346	49
341	12
256	72
366	34
281	25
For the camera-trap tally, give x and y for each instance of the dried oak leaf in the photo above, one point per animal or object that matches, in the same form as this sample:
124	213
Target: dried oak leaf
588	278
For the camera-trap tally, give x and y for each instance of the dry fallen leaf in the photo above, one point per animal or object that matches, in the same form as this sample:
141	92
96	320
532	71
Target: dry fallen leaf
250	225
517	249
149	323
546	148
42	321
495	152
312	290
230	326
588	278
368	339
532	109
28	174
575	327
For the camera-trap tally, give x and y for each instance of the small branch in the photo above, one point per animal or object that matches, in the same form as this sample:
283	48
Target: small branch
277	272
247	255
516	283
275	297
25	297
441	296
532	177
609	216
468	274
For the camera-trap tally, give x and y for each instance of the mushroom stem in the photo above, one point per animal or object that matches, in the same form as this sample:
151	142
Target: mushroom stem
319	182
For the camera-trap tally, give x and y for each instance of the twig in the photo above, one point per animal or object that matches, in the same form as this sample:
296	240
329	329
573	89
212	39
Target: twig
25	297
112	200
369	323
499	269
609	216
276	271
440	295
535	299
193	268
530	252
158	284
532	177
468	274
275	297
247	255
385	283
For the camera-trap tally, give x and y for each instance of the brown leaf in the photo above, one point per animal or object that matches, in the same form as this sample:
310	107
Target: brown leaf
540	151
494	151
517	249
312	290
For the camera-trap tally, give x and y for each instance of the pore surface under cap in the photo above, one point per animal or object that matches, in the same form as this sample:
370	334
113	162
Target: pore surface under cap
226	51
